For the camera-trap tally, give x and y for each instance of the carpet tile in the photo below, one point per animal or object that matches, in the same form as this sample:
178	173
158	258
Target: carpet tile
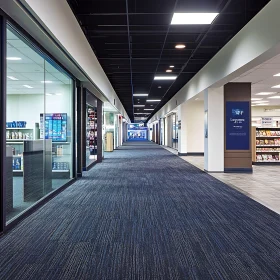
144	213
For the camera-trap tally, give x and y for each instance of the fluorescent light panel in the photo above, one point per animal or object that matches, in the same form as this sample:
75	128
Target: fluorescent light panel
193	18
277	75
27	86
169	71
148	109
277	86
14	58
138	105
275	97
46	82
140	94
255	99
12	78
165	78
265	93
262	101
153	100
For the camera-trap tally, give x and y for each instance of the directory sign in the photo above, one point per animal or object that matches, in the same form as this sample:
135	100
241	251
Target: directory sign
55	127
237	125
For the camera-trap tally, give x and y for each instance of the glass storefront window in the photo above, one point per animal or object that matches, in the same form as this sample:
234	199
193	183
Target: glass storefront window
39	122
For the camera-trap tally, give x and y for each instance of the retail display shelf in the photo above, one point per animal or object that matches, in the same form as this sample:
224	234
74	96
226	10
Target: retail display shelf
60	171
276	136
18	128
61	143
267	151
278	146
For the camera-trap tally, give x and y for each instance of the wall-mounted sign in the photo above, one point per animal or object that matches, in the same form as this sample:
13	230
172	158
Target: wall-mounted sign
237	125
267	122
179	125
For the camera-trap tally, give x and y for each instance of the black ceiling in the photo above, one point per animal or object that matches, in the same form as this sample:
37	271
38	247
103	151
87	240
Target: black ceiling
133	40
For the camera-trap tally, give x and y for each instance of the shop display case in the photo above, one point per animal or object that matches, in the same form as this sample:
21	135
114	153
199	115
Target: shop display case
265	145
91	137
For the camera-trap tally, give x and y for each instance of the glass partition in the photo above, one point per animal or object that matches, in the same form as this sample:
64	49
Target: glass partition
39	122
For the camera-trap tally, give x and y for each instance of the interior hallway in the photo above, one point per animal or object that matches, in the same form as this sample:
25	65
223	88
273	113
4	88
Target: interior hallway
144	213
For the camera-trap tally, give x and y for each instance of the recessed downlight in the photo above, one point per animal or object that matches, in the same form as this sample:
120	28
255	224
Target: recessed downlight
171	66
193	18
180	46
168	70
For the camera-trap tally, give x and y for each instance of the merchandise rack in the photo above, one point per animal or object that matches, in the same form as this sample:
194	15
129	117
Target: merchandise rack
266	145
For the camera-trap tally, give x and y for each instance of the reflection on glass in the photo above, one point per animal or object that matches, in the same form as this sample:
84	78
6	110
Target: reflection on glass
36	124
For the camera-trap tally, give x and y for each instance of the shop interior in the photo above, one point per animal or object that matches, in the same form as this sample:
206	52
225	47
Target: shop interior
39	125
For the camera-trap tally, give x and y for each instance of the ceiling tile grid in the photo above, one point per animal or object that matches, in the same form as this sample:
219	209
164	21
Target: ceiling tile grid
134	41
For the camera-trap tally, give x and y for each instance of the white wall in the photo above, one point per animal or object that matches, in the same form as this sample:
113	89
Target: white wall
259	111
195	127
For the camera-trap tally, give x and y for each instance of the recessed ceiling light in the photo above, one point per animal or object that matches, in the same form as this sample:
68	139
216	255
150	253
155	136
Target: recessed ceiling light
27	86
14	58
171	66
12	78
153	100
277	86
265	93
159	86
140	94
169	71
262	101
193	18
262	104
275	97
46	82
49	94
152	105
276	75
148	109
138	105
255	99
180	46
165	78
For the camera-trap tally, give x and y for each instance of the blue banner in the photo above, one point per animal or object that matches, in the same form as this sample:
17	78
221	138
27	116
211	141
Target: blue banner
237	125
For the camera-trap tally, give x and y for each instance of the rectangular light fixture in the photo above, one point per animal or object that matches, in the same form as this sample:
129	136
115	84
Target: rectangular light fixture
275	97
265	93
27	86
193	18
153	100
140	94
148	109
46	82
140	113
165	78
256	99
262	101
138	105
12	78
277	86
276	75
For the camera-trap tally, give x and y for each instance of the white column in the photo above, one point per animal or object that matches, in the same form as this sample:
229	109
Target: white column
214	142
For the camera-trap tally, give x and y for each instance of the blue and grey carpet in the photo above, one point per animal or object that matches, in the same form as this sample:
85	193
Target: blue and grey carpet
145	214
